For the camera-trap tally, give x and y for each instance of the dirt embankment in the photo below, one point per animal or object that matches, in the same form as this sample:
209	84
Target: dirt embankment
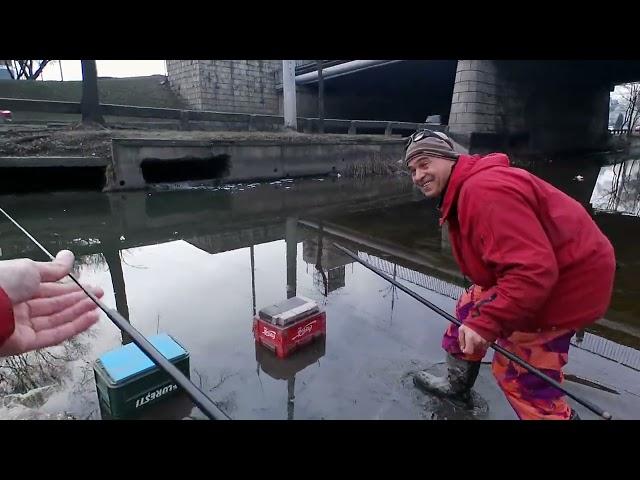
88	142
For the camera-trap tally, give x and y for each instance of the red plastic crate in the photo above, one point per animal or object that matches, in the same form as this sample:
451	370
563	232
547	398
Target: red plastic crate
287	339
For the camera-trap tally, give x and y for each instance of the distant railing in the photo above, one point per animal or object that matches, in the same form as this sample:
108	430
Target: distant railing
623	131
627	356
417	278
186	117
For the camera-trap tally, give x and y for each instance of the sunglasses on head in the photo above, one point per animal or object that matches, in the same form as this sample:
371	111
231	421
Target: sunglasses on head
426	133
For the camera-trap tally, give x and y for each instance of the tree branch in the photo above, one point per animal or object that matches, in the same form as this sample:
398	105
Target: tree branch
43	63
9	69
23	66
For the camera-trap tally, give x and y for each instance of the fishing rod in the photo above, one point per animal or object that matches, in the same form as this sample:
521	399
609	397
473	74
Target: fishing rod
203	402
514	358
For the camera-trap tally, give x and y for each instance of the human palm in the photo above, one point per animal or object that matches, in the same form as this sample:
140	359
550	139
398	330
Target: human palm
45	311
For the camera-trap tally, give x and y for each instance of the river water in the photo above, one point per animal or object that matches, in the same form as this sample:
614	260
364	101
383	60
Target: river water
198	262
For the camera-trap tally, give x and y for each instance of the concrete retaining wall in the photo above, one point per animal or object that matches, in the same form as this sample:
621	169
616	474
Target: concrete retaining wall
250	160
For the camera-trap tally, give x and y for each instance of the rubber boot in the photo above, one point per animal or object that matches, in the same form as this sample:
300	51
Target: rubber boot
461	375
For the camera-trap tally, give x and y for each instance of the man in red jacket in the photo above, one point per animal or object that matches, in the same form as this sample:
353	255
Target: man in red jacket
541	270
36	310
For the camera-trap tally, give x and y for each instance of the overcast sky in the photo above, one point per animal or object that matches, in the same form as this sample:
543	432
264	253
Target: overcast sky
106	68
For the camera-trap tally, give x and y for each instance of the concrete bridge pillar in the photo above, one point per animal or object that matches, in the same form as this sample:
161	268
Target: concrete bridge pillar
500	104
289	92
488	106
474	106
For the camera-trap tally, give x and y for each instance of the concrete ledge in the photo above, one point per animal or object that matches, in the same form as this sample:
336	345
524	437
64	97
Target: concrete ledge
140	112
246	159
30	162
247	140
49	106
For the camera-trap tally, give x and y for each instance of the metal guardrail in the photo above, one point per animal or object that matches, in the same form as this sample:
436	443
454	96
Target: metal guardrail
54	106
252	121
623	131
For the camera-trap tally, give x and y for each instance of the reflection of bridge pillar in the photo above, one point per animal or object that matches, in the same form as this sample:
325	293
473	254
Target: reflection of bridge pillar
329	263
288	368
129	208
291	390
112	257
291	238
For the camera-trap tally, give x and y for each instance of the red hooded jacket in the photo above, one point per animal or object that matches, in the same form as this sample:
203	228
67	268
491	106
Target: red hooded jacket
543	261
7	324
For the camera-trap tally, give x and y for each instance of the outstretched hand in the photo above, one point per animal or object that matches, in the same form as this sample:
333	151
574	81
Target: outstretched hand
46	313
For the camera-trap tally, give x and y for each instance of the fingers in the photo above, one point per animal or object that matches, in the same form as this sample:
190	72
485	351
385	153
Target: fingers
462	339
57	335
52	289
53	304
69	314
471	342
56	269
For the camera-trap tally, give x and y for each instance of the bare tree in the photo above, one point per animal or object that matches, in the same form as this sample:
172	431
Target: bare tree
90	103
319	268
631	96
624	194
39	368
27	69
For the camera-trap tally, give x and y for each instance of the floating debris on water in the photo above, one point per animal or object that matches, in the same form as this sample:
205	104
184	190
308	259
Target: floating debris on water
86	241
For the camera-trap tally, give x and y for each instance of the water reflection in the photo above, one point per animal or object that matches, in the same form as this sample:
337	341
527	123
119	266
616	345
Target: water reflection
198	265
287	368
617	188
30	380
22	373
328	263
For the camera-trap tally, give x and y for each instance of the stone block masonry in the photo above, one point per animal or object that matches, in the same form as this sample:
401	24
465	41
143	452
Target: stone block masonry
240	86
